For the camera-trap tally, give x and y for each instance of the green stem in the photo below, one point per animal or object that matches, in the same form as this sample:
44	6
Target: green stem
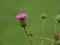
29	38
55	29
43	31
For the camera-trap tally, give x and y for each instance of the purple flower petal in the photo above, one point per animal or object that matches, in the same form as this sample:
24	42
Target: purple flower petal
21	16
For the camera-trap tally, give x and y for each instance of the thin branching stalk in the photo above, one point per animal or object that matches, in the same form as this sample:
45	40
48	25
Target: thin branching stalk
48	39
55	28
29	38
43	31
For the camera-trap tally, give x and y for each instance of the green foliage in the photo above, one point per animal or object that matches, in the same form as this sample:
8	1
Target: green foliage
10	31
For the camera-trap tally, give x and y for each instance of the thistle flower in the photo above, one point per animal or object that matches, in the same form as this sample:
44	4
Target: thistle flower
56	37
58	19
21	17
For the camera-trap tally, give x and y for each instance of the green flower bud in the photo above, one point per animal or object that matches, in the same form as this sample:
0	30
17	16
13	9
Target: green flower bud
23	23
30	33
57	19
43	15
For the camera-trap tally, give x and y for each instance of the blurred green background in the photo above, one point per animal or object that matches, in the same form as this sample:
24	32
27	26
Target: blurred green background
10	31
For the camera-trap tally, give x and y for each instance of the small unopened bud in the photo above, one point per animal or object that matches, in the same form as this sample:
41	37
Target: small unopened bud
56	37
58	18
43	15
30	33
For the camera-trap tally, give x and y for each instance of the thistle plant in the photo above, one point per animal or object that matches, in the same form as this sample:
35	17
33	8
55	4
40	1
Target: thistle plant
57	21
43	19
21	17
56	35
56	38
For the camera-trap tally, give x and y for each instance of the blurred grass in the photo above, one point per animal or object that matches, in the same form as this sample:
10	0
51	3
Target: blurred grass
12	34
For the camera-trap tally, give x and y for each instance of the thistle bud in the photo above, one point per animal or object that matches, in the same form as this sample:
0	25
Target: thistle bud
30	33
23	23
58	18
56	37
43	15
21	17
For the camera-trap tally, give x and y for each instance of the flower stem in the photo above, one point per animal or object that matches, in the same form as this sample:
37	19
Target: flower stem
55	33
55	29
48	39
42	39
29	38
43	31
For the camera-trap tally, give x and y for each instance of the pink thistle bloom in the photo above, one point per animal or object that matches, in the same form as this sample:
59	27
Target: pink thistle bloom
21	16
56	37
